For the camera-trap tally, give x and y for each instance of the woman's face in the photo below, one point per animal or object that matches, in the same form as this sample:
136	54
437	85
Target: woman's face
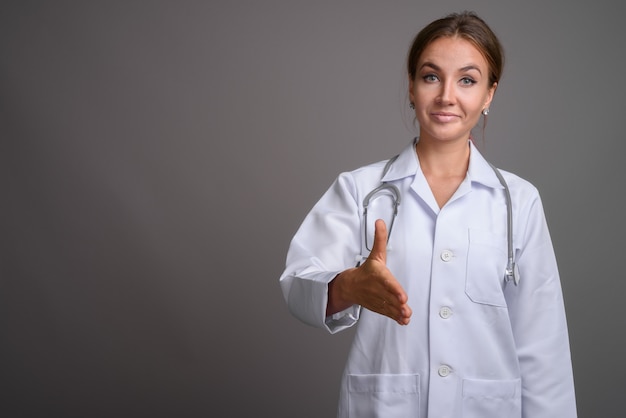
450	90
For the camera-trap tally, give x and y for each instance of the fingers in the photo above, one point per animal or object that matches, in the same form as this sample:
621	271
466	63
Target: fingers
399	312
382	293
379	249
388	298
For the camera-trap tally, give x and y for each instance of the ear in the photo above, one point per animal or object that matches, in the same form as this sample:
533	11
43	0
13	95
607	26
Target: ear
411	90
490	94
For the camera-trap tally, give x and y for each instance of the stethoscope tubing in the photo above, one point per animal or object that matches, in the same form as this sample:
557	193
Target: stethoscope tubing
511	271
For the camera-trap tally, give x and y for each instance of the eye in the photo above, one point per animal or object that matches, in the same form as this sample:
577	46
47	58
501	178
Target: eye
430	78
467	81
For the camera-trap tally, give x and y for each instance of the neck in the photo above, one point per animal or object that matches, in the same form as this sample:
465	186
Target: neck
443	159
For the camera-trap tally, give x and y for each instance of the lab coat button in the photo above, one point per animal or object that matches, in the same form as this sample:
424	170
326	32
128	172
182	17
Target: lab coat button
446	255
445	312
444	370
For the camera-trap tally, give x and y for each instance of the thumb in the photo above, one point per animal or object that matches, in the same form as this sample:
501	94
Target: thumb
379	249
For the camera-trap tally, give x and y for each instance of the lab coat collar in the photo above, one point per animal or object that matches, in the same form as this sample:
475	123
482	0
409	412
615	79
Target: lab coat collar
479	170
405	165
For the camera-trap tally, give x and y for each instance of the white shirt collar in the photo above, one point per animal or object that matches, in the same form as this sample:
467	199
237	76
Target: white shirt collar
479	170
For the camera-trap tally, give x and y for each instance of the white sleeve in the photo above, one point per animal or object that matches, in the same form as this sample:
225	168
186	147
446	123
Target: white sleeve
538	320
326	244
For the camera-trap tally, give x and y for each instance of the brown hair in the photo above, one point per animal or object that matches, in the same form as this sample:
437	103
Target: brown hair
468	26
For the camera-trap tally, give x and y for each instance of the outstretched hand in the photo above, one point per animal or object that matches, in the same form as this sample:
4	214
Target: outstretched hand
371	285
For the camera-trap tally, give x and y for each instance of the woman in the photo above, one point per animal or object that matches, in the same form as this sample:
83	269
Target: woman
442	330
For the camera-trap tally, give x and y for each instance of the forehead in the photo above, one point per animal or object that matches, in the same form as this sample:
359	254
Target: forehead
452	52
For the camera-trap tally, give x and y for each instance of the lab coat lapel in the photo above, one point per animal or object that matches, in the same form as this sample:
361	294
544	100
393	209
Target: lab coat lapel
407	165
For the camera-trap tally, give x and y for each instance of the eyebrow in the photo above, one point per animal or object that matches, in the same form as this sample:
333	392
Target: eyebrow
462	69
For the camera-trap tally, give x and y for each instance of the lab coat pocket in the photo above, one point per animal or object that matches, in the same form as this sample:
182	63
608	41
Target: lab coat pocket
384	395
486	263
492	398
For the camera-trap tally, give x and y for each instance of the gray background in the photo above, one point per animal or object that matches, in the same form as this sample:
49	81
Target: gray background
156	158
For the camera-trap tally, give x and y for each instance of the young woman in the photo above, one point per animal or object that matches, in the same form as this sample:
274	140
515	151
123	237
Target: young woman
452	321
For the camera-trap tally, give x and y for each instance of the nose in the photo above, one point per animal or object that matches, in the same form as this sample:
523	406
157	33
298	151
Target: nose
446	94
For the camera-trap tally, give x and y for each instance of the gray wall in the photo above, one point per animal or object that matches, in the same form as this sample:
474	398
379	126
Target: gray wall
156	158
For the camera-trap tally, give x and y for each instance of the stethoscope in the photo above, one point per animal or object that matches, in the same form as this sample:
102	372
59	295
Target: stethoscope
510	273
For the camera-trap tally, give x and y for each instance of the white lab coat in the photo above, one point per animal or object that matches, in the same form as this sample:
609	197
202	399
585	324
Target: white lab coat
475	346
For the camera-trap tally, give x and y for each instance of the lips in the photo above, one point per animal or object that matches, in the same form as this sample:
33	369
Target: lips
444	117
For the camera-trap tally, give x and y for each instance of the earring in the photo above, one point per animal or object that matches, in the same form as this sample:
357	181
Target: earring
486	111
411	105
